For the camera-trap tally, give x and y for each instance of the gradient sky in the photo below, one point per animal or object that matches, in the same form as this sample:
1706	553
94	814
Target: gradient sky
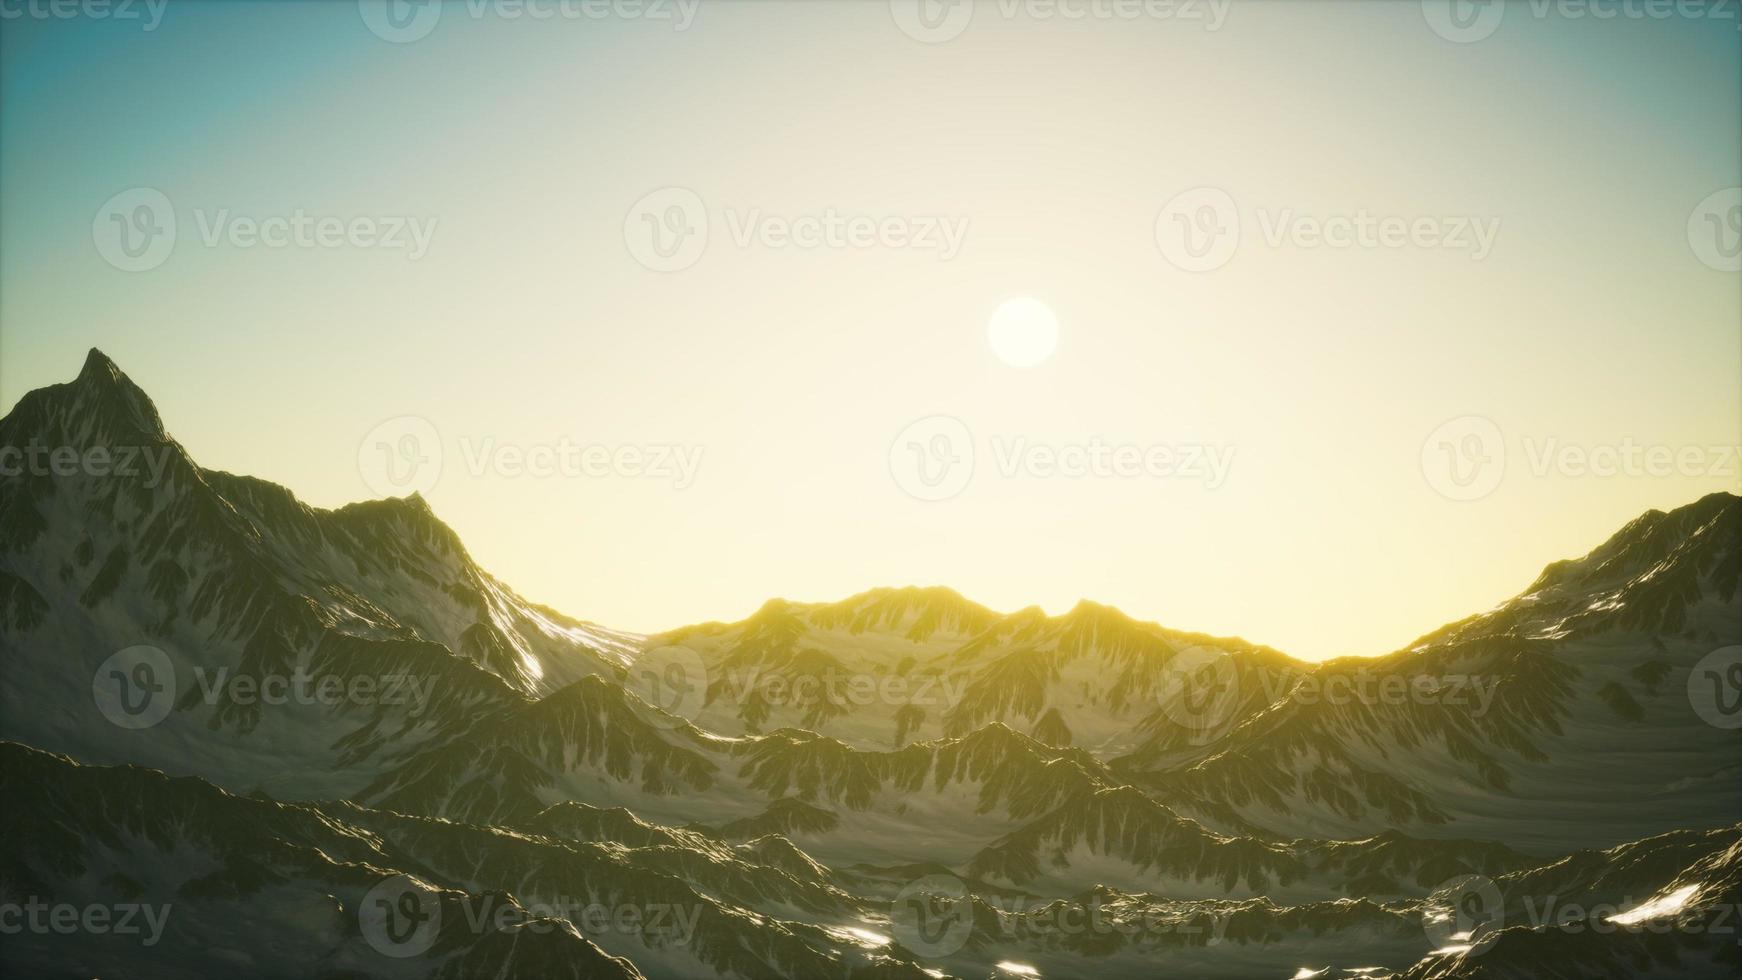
529	320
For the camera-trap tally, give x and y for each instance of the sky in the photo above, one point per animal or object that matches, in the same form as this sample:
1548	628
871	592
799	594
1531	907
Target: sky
1323	324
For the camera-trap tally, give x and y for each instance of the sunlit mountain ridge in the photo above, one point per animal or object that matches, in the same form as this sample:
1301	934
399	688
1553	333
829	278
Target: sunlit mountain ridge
829	759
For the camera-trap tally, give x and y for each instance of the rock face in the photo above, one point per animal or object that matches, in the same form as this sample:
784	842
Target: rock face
284	740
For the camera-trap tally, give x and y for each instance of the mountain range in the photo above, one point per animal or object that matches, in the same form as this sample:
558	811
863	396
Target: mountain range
325	743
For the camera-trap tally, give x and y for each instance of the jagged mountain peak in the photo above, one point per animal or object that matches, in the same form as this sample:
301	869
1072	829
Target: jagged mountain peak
102	378
206	552
99	368
101	406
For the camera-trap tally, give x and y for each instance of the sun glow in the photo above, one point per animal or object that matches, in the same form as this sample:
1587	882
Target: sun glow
1023	332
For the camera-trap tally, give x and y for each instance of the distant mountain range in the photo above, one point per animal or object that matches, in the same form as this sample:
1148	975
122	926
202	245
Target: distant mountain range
298	737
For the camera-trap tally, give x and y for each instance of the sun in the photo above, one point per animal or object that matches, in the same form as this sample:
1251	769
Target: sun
1023	332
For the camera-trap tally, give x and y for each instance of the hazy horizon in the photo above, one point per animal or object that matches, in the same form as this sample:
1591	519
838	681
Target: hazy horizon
1261	433
1051	612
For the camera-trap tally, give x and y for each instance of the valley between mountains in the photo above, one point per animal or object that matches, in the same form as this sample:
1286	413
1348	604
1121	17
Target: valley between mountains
287	741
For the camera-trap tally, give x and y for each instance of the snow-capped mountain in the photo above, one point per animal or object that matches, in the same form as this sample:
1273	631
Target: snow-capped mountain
127	542
222	702
1534	717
